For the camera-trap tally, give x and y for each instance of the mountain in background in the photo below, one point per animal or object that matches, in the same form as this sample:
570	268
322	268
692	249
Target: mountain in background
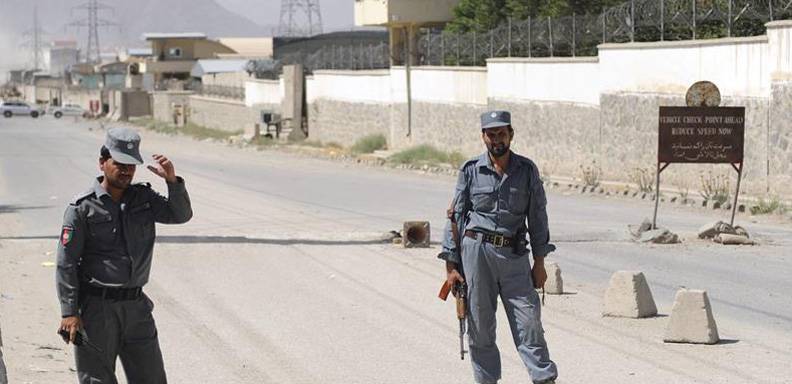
134	18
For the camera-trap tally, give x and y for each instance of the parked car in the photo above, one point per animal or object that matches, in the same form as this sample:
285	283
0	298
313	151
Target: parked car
69	110
20	108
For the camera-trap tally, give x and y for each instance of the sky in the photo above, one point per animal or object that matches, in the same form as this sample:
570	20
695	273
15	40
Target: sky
15	17
336	14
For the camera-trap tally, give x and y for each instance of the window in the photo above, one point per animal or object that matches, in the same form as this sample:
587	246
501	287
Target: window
175	52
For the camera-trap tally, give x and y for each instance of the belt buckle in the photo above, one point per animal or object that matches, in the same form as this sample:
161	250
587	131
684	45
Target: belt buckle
498	241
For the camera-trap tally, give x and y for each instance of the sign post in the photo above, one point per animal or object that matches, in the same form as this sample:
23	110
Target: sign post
701	135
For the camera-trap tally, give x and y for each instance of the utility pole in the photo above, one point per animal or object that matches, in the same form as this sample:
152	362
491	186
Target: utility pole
93	22
300	18
33	42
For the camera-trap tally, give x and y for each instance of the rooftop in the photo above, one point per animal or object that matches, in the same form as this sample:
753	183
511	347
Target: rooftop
175	35
210	66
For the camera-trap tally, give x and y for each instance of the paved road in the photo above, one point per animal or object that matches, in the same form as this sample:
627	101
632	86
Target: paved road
279	277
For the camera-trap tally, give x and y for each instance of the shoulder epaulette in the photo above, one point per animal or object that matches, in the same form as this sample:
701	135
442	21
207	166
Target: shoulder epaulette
77	199
469	163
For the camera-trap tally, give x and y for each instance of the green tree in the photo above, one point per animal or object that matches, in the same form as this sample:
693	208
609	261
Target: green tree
478	15
521	9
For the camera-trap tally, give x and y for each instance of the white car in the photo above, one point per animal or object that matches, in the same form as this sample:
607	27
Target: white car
69	110
20	108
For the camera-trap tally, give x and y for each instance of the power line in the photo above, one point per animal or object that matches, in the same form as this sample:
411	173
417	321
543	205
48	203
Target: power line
93	22
33	42
300	18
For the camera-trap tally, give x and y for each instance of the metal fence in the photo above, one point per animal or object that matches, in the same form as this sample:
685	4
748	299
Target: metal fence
343	57
579	35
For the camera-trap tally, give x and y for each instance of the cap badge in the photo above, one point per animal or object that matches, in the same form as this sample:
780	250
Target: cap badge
494	115
130	146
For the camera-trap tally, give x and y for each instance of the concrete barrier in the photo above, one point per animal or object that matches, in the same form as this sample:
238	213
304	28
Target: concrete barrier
554	284
691	319
628	295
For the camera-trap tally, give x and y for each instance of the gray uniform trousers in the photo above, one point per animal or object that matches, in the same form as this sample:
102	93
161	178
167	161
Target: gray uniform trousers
3	377
122	329
491	271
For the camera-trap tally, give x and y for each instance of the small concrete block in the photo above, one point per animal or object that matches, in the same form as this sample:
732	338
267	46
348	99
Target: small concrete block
638	230
554	284
628	295
691	319
659	236
729	239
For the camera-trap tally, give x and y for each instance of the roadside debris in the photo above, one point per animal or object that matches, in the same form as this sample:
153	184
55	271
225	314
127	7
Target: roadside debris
643	233
723	233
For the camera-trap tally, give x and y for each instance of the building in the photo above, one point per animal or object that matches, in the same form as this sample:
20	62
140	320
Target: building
174	55
63	54
404	18
251	48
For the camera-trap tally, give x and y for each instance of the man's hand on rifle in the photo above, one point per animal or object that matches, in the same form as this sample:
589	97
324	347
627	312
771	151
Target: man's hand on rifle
452	274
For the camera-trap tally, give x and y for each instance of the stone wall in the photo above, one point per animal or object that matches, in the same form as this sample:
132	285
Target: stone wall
780	139
222	114
560	137
450	127
345	122
629	141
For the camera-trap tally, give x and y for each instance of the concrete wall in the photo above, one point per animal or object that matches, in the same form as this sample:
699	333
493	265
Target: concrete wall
162	104
344	106
739	66
448	85
350	86
222	114
568	80
570	113
270	92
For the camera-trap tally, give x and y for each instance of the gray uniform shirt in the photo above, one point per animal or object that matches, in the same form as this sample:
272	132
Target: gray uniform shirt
109	244
511	205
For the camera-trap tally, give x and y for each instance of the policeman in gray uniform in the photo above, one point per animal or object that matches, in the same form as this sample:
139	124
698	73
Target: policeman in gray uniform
499	199
104	260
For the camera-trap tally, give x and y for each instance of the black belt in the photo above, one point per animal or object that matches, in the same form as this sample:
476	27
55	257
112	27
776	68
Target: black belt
123	294
496	240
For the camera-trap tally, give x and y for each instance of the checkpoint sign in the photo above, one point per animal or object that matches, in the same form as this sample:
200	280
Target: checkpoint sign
701	135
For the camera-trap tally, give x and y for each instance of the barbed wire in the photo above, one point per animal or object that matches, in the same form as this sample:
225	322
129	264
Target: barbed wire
361	56
579	35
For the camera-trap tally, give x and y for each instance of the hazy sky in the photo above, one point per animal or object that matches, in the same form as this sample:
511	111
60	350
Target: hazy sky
336	14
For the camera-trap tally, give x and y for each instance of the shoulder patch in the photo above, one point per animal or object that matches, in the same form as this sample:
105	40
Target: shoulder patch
78	198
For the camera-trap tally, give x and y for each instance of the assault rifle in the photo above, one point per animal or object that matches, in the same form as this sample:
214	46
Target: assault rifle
460	289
